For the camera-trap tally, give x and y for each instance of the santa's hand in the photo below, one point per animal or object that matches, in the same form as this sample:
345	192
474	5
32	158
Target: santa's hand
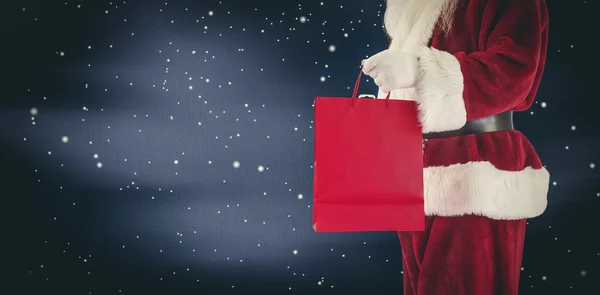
392	69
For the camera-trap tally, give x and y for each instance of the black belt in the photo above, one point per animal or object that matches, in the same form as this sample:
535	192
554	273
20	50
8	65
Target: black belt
499	122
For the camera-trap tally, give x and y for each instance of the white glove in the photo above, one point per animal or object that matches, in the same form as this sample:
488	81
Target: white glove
392	69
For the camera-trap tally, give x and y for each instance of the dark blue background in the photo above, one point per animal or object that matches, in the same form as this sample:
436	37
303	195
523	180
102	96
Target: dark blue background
143	224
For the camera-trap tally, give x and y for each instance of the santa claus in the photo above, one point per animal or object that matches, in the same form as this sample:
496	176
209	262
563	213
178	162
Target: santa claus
468	64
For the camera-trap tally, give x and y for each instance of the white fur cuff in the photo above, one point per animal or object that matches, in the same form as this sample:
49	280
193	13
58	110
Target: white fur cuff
439	89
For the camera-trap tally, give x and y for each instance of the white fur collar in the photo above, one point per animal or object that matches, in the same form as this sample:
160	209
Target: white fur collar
410	23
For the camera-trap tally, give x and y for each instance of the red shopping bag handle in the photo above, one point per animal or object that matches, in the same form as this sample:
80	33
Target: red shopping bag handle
356	86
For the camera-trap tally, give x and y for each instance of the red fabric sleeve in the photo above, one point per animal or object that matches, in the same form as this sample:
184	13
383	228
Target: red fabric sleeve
505	73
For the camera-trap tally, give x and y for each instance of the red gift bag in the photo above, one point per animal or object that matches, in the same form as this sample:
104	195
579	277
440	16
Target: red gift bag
368	168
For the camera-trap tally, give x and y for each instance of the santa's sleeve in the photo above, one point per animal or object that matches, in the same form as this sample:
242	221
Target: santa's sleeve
456	88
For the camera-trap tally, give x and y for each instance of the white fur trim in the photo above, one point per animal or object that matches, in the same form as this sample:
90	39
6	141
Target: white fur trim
479	188
440	91
411	23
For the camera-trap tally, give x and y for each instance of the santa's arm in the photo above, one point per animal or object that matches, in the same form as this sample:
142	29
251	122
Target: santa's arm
456	88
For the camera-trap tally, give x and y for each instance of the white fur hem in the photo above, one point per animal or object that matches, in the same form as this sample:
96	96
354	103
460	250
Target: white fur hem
479	188
439	90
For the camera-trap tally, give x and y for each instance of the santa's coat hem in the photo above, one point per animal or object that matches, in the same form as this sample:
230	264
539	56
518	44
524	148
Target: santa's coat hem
479	188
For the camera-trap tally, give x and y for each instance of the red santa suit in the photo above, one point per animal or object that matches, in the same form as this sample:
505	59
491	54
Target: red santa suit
479	188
